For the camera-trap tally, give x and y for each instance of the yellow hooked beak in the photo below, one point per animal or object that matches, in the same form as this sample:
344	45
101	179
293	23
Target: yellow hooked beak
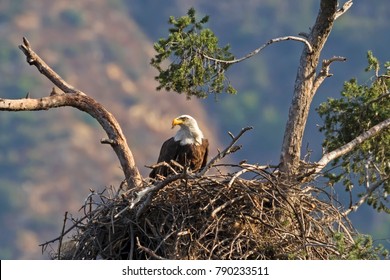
176	121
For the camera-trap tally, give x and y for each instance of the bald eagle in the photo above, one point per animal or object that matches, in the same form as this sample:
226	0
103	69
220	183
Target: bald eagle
188	147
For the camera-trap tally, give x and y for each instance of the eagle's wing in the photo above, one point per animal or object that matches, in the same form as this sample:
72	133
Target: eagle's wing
205	145
168	151
193	156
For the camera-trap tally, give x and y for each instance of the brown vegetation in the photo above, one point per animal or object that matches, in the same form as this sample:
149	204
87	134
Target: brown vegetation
220	216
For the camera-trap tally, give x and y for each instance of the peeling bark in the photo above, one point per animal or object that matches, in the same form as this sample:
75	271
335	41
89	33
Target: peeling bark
304	89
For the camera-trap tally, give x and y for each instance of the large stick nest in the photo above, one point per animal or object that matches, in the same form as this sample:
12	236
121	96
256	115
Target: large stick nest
220	216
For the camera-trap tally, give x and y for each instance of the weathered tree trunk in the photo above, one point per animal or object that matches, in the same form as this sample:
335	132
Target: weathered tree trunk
305	87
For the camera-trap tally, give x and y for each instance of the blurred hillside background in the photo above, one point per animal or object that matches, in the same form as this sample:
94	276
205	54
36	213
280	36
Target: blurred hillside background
49	160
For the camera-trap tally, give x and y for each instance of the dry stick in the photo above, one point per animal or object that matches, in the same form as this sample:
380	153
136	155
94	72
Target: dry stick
226	204
256	51
33	59
343	9
328	157
236	175
147	192
324	73
62	235
69	229
226	151
75	98
246	168
148	251
167	165
297	216
131	252
363	198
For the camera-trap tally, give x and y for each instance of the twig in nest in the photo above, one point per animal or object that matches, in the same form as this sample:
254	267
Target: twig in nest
62	235
148	251
75	225
228	150
223	206
238	174
154	188
147	192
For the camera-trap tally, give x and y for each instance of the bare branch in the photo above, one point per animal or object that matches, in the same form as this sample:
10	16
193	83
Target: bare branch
153	188
62	235
343	9
229	149
363	198
66	231
256	51
148	251
223	206
33	59
324	73
77	99
328	157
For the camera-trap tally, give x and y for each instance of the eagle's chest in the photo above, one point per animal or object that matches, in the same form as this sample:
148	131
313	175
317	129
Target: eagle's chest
189	155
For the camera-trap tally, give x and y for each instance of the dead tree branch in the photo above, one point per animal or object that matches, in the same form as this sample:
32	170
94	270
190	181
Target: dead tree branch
34	59
343	9
256	51
328	157
77	99
152	254
364	197
324	73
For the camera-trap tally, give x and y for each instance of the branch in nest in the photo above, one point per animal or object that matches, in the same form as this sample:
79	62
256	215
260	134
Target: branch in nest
151	189
231	148
148	251
223	206
77	223
167	165
61	236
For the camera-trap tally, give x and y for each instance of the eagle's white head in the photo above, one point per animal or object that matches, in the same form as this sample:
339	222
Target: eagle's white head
189	132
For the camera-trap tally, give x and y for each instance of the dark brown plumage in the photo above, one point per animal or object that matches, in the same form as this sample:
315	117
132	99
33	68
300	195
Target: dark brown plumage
188	147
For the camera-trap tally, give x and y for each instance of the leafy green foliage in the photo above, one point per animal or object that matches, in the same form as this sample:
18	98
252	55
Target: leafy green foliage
196	68
360	108
363	248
